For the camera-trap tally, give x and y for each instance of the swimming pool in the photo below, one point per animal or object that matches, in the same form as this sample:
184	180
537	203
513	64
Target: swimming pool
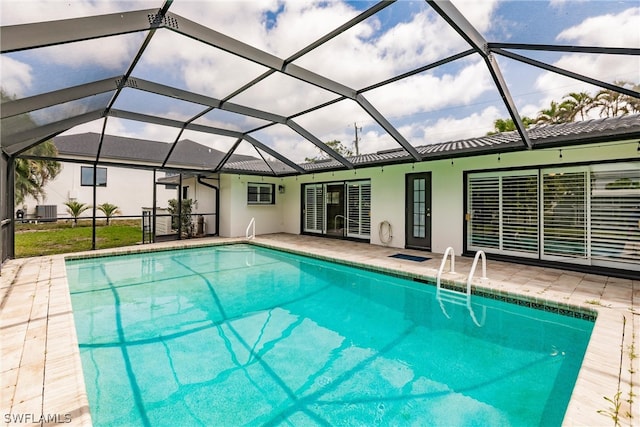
237	335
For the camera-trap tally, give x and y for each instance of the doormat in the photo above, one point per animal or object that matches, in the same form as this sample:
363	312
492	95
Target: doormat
410	257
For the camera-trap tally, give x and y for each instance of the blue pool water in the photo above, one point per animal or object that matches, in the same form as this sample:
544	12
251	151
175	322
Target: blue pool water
241	335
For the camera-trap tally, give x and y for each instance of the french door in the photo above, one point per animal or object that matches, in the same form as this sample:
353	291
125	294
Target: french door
418	210
339	209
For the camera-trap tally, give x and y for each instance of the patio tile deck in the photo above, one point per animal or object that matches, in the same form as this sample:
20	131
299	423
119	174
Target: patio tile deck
41	372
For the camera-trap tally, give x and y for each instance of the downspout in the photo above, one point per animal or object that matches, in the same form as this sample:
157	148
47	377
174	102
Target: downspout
153	211
206	184
93	220
180	208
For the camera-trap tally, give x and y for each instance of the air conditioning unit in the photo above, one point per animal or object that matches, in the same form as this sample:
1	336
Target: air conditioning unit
48	213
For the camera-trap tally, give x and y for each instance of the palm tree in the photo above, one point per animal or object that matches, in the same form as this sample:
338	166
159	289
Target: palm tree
26	183
633	104
75	209
575	103
31	176
507	125
556	113
610	103
108	210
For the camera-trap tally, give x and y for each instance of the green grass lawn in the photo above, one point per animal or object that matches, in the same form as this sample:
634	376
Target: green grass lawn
61	237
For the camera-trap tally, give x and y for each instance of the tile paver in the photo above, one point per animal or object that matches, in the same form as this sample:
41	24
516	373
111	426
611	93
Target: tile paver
41	371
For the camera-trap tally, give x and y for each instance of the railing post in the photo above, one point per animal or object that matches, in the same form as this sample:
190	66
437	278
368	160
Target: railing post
443	263
252	227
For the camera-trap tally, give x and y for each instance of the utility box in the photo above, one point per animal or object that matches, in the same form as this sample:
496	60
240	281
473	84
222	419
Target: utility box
47	213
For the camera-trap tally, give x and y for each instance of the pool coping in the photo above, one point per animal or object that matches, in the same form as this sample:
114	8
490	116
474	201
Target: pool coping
605	370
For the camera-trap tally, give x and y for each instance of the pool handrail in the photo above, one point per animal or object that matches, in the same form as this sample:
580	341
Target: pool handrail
479	254
458	297
252	227
443	263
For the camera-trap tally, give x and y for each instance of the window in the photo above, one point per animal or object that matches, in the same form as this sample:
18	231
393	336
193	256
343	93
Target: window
185	192
584	215
86	176
260	194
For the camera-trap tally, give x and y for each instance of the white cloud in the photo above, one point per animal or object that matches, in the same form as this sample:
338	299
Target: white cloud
451	129
427	92
358	57
281	94
17	76
478	13
410	44
621	30
308	21
15	12
112	54
95	126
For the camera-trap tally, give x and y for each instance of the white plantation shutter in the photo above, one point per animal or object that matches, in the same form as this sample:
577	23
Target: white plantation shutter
484	208
519	200
503	210
565	213
584	215
314	208
615	216
359	209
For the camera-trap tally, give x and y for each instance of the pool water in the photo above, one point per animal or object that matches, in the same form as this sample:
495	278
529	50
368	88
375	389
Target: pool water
242	335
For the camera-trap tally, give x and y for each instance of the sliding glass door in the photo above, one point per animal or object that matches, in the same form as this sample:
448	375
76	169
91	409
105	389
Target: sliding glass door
339	209
585	215
503	213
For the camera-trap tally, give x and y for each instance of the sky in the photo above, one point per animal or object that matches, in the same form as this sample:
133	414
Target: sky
455	101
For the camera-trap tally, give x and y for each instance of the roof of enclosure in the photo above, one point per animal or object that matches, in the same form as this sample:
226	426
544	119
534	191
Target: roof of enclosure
278	80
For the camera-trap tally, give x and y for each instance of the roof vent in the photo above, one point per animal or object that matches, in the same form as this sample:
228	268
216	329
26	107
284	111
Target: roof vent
157	20
127	82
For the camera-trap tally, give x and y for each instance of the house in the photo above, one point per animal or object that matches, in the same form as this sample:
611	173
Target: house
574	199
558	194
130	188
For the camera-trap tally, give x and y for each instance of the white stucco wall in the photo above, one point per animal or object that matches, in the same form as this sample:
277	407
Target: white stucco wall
388	192
236	213
129	189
